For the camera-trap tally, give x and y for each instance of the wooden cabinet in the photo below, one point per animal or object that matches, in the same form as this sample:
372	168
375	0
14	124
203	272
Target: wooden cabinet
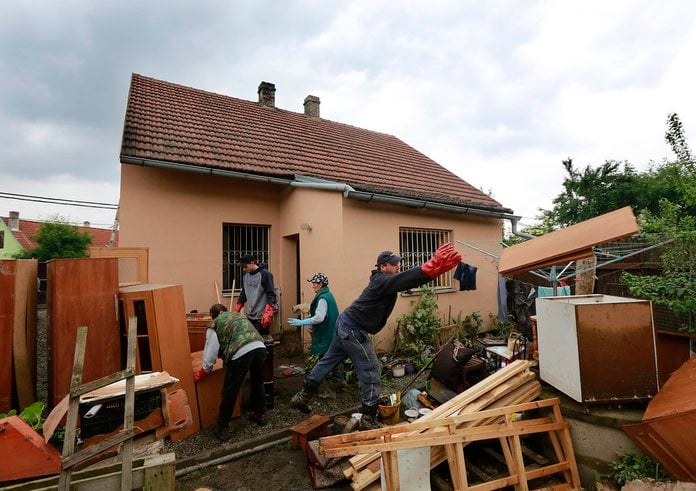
597	348
81	292
162	335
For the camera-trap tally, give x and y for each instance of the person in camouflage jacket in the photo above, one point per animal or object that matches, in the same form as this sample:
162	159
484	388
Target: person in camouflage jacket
231	337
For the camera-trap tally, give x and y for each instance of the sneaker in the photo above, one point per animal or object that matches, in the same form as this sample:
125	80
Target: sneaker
222	433
259	418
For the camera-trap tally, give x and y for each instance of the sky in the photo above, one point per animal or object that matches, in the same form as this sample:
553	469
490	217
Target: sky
498	92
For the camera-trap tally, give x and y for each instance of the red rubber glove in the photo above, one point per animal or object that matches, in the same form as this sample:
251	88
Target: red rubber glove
238	307
267	317
199	374
444	259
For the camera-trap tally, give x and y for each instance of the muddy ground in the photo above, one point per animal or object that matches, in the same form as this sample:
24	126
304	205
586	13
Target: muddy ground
277	466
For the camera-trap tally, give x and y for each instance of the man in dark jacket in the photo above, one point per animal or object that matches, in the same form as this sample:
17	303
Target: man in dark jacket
368	315
234	339
257	297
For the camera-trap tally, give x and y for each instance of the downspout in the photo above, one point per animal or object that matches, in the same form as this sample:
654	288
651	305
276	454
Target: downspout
513	229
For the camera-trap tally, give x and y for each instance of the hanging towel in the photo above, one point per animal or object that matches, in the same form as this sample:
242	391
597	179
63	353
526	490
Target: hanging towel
547	291
466	275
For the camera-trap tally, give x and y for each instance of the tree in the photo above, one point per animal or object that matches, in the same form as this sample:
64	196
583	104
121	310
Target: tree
676	288
57	239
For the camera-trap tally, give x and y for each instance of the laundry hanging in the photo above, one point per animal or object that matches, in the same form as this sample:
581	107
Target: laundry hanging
466	275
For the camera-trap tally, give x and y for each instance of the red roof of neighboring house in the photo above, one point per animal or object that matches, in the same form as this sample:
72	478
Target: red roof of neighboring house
173	123
27	228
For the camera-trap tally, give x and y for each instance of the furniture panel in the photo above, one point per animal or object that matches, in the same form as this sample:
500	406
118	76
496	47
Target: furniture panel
81	292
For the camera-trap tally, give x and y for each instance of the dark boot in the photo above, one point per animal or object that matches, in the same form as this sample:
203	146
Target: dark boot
258	417
300	401
222	432
369	420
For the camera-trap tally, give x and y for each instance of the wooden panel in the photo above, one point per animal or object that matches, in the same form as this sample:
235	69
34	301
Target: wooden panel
24	336
132	262
616	338
81	292
8	270
209	392
23	452
673	350
570	243
162	329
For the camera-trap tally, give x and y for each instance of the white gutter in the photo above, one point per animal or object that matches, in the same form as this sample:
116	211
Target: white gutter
313	183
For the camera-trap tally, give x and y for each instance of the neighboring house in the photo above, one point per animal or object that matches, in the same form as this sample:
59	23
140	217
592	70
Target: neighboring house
206	178
16	235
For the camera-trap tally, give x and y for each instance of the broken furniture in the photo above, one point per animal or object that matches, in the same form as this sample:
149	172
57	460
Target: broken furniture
667	429
162	338
29	454
132	262
311	428
454	431
81	292
197	324
17	332
583	338
511	385
209	392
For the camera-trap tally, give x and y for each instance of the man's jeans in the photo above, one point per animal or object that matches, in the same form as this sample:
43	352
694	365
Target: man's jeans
352	342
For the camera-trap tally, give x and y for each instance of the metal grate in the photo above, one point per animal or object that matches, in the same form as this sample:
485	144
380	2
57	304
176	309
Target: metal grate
237	241
417	245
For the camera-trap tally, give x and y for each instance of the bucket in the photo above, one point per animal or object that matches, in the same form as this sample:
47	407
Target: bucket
389	415
340	423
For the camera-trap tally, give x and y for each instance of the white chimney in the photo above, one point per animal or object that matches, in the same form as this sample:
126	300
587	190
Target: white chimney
14	220
85	224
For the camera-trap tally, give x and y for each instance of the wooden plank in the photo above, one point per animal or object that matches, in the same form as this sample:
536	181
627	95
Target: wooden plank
89	452
129	409
390	464
24	333
8	269
71	424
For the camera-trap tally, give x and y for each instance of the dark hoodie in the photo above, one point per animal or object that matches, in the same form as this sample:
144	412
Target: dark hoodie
375	304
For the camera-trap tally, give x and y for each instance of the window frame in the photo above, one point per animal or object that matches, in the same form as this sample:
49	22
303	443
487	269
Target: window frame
251	239
420	248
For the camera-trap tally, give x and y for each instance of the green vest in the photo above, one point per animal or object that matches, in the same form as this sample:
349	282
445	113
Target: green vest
233	331
323	333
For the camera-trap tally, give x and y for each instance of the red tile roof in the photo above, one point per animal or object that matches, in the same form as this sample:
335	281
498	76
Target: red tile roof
174	123
27	228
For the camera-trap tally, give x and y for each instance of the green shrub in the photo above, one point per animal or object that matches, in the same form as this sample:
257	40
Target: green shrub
631	466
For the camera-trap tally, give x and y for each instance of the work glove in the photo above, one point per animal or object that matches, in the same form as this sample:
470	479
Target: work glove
199	374
267	317
238	307
444	259
299	322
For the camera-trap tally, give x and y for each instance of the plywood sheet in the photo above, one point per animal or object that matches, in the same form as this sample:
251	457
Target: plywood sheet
7	282
81	292
24	335
568	244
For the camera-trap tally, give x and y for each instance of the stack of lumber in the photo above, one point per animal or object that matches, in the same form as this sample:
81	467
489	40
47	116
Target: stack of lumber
511	385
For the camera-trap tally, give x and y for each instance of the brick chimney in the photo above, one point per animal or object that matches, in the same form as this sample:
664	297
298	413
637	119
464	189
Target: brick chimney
311	106
267	94
14	220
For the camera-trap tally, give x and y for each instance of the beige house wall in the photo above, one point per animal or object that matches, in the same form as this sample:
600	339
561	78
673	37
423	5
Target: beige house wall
179	217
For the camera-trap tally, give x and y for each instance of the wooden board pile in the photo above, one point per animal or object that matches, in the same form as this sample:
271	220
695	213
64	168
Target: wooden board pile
486	410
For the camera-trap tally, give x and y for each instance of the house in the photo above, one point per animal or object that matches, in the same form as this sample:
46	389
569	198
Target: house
16	235
206	178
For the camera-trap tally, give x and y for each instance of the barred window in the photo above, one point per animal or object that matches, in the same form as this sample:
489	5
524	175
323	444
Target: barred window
237	241
417	245
2	239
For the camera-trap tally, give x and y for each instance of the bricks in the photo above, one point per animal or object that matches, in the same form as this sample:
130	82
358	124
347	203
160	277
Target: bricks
309	429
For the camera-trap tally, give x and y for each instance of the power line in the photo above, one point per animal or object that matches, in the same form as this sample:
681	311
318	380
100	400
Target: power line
59	201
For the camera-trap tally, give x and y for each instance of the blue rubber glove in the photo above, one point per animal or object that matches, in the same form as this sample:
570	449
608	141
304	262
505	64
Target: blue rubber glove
299	322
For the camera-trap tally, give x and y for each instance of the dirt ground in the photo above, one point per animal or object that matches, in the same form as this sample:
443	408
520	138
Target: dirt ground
278	467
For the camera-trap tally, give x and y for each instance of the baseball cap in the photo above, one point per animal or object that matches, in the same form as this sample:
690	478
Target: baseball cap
319	278
387	257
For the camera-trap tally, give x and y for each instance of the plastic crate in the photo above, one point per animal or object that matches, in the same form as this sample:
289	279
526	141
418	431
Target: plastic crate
110	416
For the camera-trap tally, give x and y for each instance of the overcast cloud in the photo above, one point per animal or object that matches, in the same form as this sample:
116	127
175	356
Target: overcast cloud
499	92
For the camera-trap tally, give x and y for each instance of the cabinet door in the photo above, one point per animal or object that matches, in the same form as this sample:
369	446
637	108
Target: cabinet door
140	306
